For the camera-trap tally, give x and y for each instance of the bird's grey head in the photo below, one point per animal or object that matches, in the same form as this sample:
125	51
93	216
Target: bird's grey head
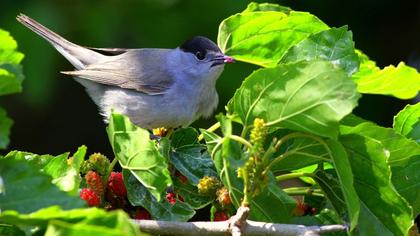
204	56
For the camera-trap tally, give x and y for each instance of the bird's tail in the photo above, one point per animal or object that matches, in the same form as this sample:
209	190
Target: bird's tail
77	55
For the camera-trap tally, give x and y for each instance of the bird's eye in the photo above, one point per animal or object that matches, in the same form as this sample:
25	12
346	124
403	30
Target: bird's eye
200	55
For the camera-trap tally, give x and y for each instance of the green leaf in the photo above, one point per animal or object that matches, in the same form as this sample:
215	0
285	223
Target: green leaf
402	81
328	181
193	161
382	208
64	171
305	96
11	75
5	126
190	157
11	230
403	156
89	222
253	6
138	195
138	154
263	37
26	189
341	165
184	137
407	122
334	45
301	152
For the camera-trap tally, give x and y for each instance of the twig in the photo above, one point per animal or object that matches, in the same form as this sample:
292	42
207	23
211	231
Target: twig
237	223
252	228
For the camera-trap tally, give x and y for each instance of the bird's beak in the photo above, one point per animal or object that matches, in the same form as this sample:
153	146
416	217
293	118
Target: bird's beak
221	59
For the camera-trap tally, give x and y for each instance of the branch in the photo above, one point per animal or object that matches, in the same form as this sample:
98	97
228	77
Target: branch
223	228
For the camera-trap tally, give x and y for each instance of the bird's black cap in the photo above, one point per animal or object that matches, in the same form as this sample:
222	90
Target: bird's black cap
199	44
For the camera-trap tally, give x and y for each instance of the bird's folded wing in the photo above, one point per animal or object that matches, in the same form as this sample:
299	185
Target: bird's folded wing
132	70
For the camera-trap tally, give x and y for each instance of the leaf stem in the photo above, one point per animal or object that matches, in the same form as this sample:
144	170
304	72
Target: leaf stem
298	191
111	166
212	128
241	140
293	176
218	145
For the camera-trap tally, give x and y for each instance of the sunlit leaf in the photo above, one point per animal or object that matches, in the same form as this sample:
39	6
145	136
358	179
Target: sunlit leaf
26	189
253	6
403	156
305	96
64	171
382	208
89	222
401	81
11	75
407	122
138	154
263	37
334	45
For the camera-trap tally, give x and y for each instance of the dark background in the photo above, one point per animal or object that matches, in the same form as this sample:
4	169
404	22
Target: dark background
54	114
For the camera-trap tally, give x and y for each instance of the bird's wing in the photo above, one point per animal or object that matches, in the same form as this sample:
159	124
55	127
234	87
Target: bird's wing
110	51
142	70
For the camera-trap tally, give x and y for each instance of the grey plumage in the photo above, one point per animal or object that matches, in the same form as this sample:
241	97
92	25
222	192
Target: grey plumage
153	87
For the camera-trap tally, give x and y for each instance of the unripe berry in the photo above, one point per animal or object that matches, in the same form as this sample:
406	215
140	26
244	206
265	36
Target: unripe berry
94	182
223	197
96	162
208	185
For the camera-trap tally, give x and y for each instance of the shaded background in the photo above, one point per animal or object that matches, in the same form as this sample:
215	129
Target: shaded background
54	114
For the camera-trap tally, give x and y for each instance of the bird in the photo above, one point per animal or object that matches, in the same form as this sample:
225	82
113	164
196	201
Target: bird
153	87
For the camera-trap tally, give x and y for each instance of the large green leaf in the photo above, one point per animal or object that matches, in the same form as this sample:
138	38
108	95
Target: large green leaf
5	126
138	154
407	122
305	96
89	222
64	171
334	45
403	156
263	37
26	189
138	195
10	70
382	208
402	81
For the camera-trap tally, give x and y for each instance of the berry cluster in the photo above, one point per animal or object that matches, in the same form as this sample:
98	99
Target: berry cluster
211	186
107	190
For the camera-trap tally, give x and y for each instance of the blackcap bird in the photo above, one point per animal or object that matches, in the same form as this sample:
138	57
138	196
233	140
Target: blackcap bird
154	87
